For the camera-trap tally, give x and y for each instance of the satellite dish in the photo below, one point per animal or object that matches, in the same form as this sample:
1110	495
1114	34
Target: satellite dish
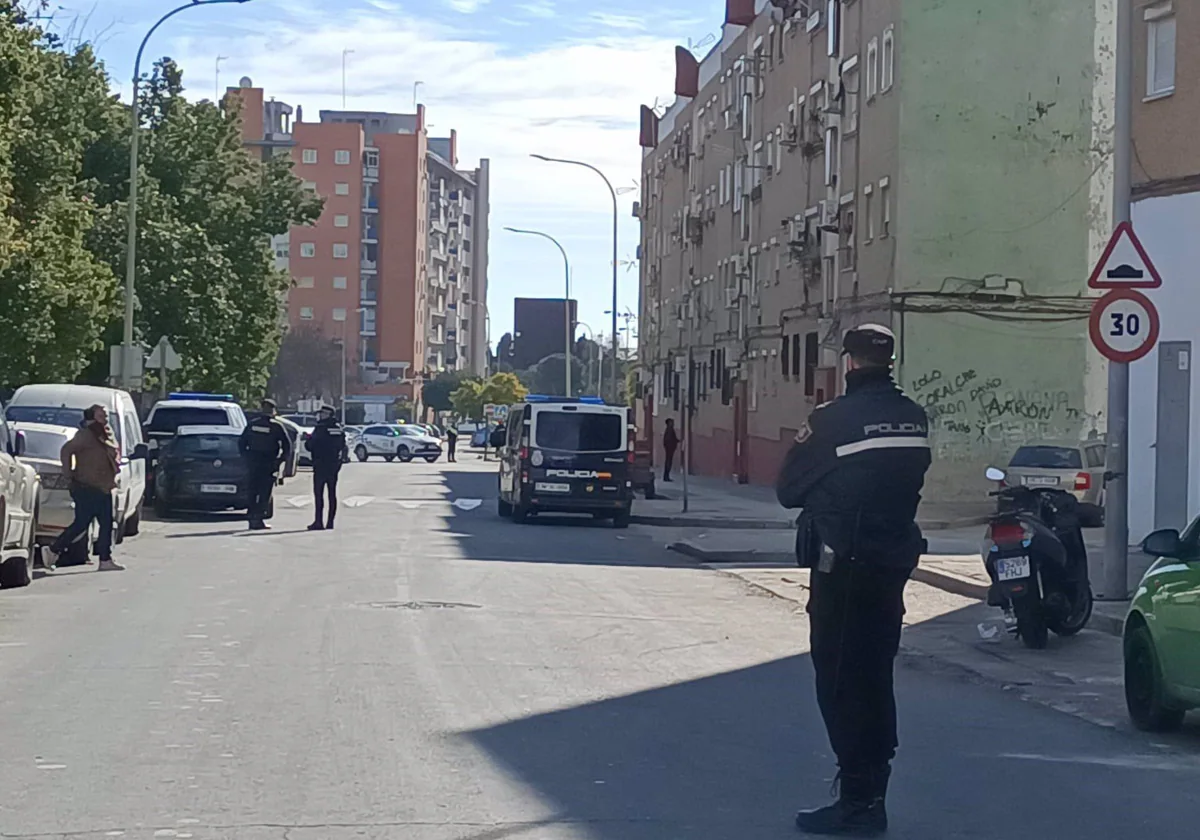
245	82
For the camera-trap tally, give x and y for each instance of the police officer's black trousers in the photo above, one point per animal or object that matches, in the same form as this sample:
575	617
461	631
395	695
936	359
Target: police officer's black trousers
325	481
855	614
262	485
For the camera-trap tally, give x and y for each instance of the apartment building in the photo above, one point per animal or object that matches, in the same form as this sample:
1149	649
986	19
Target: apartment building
1164	474
831	163
457	247
365	272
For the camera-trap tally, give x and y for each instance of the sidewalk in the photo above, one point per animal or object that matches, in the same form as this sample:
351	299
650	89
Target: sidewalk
948	566
722	504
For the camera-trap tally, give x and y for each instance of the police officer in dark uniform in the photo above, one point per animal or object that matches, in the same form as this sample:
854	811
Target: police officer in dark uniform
266	445
327	445
856	472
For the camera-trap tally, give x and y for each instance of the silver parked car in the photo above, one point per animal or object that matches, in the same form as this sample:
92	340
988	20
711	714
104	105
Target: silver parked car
1074	466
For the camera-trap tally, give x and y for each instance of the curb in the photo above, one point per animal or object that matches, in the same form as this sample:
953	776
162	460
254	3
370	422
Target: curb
954	584
715	524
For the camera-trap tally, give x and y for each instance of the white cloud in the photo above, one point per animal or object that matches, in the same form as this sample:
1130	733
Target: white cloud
613	21
466	7
538	9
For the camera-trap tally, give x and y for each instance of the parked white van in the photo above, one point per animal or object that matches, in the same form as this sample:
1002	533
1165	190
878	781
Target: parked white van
63	405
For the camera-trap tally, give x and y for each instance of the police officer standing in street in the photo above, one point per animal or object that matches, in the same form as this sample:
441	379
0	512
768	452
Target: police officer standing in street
266	445
327	446
856	471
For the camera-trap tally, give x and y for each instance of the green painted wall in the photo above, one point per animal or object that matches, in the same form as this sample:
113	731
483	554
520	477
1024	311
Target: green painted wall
988	387
995	175
995	138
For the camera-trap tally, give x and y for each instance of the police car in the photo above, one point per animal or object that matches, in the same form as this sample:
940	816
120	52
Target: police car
565	455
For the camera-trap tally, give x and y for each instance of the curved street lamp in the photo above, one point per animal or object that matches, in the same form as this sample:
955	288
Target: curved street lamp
613	192
566	297
131	242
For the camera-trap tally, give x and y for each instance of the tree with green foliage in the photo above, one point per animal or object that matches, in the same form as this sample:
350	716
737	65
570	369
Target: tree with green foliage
467	399
438	392
205	269
503	389
57	295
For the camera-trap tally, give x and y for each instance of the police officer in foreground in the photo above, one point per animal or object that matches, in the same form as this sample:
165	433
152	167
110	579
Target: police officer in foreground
266	445
856	472
327	446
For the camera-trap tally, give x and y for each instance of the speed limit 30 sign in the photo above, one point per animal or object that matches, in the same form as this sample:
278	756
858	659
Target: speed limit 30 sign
1124	325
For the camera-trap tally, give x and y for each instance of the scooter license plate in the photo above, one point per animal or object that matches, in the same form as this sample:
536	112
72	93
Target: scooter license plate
1012	568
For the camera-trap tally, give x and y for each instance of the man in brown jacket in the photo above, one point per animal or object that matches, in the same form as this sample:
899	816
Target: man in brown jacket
90	460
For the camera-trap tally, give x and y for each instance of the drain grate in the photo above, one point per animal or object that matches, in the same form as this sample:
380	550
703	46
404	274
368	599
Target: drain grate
422	605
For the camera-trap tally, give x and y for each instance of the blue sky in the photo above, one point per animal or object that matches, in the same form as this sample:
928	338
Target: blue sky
513	76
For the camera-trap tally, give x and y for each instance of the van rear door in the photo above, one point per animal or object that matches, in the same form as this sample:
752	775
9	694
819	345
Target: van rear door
579	453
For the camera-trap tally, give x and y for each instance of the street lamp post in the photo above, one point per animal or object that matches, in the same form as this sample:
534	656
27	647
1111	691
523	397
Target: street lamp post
613	192
131	242
570	333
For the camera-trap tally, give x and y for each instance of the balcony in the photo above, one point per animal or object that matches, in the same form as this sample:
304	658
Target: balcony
371	205
369	266
370	234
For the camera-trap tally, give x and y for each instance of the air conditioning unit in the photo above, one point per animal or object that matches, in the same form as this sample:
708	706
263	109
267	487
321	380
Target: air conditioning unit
791	137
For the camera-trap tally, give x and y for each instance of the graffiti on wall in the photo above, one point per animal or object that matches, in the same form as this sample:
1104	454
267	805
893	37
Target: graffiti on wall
975	414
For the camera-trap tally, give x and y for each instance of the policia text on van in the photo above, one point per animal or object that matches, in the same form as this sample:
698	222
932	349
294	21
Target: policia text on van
567	456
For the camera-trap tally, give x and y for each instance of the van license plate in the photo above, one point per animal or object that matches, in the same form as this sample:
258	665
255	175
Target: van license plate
551	487
1012	568
1041	481
218	488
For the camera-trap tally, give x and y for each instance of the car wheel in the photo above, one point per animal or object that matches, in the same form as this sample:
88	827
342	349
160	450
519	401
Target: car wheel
520	513
621	520
431	459
17	571
389	458
360	452
403	454
1145	696
503	508
134	523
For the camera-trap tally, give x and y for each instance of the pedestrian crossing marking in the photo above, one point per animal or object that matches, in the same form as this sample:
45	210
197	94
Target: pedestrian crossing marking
358	501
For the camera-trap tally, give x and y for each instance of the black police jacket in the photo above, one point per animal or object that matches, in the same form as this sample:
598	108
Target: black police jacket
856	471
265	439
327	445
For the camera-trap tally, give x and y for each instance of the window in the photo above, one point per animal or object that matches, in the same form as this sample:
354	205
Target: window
872	68
770	155
579	431
868	205
812	348
311	186
304	282
850	89
342	157
306	313
341	188
796	348
885	208
846	235
339	282
309	156
466	219
833	17
785	357
339	314
308	249
341	251
341	220
371	157
832	148
887	60
1160	52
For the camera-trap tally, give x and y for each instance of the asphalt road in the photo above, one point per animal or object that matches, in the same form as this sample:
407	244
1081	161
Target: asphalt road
428	671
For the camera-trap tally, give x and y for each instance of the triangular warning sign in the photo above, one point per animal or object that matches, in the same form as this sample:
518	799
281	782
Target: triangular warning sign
1125	263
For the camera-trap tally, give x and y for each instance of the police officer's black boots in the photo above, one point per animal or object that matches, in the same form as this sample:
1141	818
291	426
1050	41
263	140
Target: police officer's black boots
859	811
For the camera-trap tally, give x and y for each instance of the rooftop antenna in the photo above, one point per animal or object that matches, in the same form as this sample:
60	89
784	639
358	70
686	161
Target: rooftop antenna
344	54
217	79
416	85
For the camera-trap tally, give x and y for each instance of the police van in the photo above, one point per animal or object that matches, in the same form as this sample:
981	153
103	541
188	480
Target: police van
565	455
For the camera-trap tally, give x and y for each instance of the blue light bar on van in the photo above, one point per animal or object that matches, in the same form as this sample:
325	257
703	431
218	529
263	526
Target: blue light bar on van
187	395
543	398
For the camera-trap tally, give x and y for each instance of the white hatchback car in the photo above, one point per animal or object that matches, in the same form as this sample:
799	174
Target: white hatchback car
18	510
43	443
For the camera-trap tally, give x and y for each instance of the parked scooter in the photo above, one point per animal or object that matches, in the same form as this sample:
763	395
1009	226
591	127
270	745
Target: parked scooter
1035	555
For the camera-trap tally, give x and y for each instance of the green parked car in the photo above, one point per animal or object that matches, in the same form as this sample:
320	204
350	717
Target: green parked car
1162	633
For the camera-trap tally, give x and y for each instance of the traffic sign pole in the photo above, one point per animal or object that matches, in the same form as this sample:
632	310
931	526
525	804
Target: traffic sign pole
1116	488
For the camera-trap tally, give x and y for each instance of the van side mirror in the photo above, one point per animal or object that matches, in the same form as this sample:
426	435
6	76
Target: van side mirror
1164	543
18	444
140	452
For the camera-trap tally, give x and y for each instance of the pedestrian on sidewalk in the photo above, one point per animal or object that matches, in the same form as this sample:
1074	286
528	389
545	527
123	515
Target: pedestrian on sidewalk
856	472
90	461
670	444
451	443
327	446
